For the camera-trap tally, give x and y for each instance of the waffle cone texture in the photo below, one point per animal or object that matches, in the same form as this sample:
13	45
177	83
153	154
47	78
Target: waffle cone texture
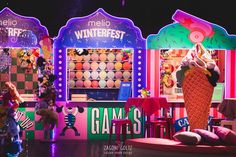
197	93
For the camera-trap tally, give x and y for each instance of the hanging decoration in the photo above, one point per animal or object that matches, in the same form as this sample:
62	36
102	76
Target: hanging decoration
27	39
5	59
28	58
46	45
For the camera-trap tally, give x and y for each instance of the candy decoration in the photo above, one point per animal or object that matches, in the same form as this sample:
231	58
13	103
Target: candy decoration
126	75
79	66
127	66
103	57
102	83
86	74
94	65
72	65
118	65
119	57
110	83
95	84
94	57
86	66
110	66
94	75
72	83
118	75
87	83
102	65
72	75
110	74
117	83
102	74
79	74
111	57
79	83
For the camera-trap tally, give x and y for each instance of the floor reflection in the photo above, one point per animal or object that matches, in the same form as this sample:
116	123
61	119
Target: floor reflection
70	148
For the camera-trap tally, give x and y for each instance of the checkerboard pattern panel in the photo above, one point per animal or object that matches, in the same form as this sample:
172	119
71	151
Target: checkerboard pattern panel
4	76
24	80
30	119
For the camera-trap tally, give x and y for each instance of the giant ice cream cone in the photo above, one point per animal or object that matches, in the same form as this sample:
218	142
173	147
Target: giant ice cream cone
198	83
197	92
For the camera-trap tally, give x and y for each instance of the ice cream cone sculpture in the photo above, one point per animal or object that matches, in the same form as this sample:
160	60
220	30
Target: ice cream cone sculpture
198	85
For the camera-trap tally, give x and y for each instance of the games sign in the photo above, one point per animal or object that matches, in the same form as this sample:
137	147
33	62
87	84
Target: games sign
99	120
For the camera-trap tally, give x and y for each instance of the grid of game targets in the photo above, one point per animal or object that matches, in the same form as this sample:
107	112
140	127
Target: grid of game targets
24	80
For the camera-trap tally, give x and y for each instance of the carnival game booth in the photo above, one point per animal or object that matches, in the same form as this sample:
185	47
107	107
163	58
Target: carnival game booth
20	47
195	70
95	58
173	46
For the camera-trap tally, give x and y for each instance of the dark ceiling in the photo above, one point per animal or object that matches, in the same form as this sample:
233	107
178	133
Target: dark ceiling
149	15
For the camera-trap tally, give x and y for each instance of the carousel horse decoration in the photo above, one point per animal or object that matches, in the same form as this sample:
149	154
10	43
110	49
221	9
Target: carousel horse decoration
9	129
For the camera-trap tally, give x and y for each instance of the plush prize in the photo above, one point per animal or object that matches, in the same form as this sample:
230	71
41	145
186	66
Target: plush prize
49	118
126	55
81	52
11	98
70	118
144	93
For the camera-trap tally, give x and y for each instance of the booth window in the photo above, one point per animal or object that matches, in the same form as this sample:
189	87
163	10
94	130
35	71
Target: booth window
97	73
170	60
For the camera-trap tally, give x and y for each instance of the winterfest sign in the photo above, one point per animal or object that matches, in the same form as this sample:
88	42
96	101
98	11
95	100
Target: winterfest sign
99	30
19	31
94	30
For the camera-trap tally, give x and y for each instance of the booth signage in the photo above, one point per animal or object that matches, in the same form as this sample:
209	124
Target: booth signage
18	31
181	123
99	121
95	30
